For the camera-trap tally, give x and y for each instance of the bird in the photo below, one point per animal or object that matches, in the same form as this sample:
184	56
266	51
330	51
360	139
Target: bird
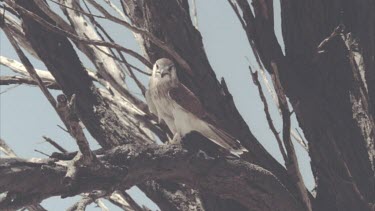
181	110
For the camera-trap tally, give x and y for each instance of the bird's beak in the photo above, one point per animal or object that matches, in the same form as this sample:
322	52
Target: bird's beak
164	72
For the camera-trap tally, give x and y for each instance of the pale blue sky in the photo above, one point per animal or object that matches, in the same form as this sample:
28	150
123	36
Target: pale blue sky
26	115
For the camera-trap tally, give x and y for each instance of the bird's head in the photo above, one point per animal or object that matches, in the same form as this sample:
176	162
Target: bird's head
164	68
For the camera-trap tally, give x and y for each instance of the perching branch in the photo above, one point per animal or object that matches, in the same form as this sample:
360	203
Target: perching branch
132	164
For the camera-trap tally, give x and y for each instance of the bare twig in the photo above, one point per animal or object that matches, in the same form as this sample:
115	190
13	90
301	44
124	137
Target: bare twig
9	88
30	69
63	129
292	163
271	90
53	28
19	80
15	29
123	200
43	153
254	75
106	66
6	149
100	204
114	7
67	109
81	204
147	34
300	140
77	10
56	145
122	60
87	199
130	65
78	38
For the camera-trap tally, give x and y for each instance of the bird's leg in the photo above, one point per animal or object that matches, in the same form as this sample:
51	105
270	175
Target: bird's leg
176	138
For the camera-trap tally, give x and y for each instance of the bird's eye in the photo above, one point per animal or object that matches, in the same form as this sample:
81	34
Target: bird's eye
170	68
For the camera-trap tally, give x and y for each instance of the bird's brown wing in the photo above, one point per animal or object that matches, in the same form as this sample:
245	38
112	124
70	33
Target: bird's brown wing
187	100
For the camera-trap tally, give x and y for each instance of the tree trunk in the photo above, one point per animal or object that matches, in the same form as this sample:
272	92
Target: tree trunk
328	74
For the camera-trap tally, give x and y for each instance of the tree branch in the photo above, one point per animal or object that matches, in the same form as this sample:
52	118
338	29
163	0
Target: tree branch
133	164
291	162
254	75
16	79
125	201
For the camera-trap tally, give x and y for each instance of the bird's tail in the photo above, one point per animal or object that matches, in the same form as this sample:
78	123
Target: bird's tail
227	141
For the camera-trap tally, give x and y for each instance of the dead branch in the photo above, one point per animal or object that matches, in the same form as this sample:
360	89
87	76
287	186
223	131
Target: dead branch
67	109
106	66
125	201
78	38
155	40
16	79
56	145
292	162
6	149
254	75
132	164
33	74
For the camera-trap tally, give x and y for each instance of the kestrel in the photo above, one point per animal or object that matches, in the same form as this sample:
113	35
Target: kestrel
181	110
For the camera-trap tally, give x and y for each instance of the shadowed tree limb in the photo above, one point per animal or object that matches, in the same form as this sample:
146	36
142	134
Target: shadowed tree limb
132	164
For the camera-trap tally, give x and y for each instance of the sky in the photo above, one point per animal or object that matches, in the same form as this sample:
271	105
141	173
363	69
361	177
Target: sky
26	115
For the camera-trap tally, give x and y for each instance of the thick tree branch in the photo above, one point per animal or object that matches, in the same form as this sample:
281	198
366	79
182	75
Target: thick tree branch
132	164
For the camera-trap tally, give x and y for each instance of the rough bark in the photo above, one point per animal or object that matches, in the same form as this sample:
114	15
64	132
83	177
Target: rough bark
326	84
132	164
